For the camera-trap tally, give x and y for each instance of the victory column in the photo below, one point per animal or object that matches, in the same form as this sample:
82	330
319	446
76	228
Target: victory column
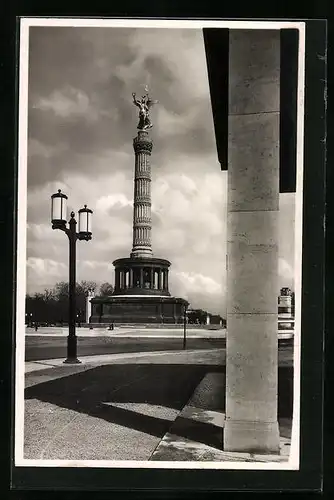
141	293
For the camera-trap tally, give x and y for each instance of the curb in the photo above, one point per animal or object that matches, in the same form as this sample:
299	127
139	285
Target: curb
188	449
93	360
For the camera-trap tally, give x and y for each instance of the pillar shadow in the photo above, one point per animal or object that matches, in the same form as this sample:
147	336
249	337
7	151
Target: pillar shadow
169	386
200	432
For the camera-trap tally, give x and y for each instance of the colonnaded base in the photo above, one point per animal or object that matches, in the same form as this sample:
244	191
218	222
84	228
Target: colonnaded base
252	437
129	309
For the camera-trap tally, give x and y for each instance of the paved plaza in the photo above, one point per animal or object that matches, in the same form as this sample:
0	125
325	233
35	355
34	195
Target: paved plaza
159	406
131	332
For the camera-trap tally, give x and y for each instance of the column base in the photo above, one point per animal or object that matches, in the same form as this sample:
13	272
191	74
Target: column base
141	252
251	437
72	361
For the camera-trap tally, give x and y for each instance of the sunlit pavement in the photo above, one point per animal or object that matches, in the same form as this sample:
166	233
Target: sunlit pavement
52	344
148	406
129	332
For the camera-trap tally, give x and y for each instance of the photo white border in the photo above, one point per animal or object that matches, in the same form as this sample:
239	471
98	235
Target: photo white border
25	24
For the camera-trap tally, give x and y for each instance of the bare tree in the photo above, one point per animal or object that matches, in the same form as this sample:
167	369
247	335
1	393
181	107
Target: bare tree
106	289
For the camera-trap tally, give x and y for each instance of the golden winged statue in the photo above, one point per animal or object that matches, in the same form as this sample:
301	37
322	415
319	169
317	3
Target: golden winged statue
144	104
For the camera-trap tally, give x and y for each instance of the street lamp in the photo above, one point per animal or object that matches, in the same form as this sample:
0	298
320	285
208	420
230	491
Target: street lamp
58	220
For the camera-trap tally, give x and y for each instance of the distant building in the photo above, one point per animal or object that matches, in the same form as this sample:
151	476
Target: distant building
201	317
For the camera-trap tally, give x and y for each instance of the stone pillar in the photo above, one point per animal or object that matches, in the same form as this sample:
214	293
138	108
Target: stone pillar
159	279
141	277
117	279
166	279
253	194
152	278
208	319
90	296
126	278
130	278
142	222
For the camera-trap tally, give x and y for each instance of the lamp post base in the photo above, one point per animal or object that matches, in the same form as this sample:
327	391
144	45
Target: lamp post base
71	355
72	361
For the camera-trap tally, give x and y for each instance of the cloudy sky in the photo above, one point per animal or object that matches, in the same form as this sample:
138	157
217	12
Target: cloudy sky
81	123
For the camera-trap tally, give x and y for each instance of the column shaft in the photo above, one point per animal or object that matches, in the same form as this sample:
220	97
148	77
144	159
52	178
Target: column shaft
117	279
142	197
252	277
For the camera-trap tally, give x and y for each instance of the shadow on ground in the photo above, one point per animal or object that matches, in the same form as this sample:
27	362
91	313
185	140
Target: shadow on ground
55	347
94	391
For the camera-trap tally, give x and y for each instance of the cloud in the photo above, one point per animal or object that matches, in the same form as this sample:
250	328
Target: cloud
173	124
195	282
81	125
106	203
42	272
201	291
285	274
94	264
37	148
67	102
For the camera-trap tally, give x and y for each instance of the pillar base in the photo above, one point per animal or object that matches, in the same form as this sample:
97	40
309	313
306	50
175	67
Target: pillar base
72	361
251	437
141	253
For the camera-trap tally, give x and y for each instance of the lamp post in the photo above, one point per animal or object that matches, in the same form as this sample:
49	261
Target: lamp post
58	220
185	327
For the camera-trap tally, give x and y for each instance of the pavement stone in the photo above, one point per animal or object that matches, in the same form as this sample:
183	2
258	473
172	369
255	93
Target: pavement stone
111	414
197	432
65	434
203	356
128	332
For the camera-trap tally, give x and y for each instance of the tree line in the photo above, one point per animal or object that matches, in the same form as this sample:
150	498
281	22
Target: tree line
51	306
